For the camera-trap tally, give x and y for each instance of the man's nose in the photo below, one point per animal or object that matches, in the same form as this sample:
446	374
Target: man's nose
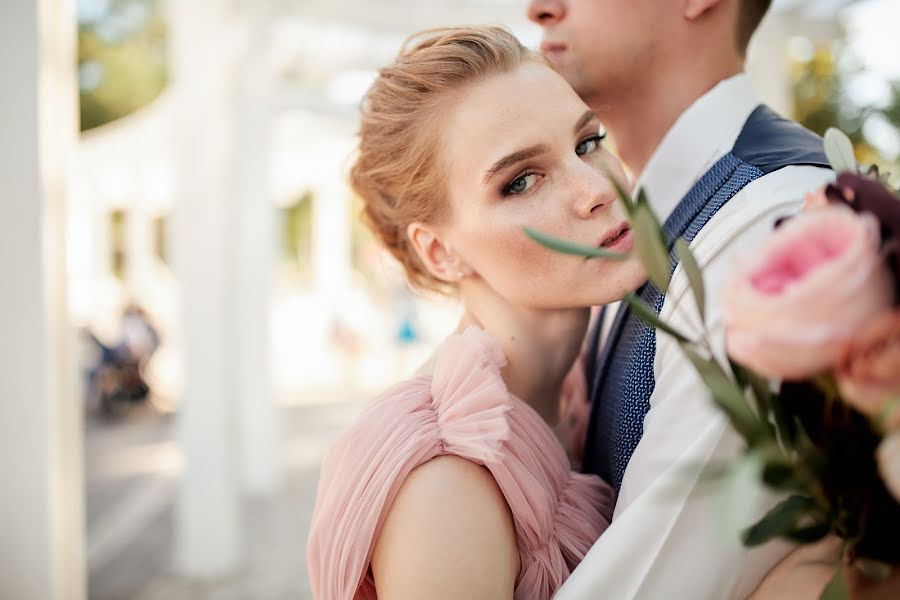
546	12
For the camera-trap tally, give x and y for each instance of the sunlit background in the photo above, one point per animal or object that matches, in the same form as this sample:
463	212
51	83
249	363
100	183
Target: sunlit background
230	314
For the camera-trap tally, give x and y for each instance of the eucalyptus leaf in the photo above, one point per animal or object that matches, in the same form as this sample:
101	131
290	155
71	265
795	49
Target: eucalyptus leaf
711	473
736	486
762	395
623	194
808	534
694	274
762	391
888	412
807	449
837	587
642	200
839	150
650	247
779	476
778	521
784	422
727	394
649	316
567	247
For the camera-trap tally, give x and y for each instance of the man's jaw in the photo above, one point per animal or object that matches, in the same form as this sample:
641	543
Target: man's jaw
553	51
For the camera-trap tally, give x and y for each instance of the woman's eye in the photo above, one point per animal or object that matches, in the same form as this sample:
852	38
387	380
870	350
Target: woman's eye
520	184
591	144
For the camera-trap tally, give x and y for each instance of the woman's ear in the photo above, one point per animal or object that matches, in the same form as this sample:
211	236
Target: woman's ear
694	9
437	256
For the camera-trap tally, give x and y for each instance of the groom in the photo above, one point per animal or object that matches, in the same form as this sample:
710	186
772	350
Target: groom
666	79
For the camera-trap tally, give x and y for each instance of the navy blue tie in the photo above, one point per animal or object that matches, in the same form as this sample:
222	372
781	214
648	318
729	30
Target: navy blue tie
623	378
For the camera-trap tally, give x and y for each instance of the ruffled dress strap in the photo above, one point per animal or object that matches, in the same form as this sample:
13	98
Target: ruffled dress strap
461	409
558	513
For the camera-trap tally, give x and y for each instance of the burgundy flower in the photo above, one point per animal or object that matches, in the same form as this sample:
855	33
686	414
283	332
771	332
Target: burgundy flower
868	372
867	194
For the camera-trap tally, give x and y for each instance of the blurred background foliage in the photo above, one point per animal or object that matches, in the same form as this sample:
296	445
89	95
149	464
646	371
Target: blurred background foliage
121	58
834	91
122	67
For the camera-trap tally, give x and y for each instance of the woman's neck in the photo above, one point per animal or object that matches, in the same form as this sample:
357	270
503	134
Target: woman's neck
540	347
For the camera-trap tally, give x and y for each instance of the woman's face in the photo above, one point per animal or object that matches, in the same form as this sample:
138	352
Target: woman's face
522	150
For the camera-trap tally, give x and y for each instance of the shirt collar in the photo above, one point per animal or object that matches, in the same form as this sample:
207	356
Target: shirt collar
703	134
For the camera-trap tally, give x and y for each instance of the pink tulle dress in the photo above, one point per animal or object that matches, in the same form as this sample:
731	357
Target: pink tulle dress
464	409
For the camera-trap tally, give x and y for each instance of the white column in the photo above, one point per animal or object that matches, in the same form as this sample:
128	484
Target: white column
41	506
138	248
207	516
254	234
331	241
767	63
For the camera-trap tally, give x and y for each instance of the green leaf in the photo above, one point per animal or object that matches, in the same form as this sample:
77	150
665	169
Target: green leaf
709	473
727	394
739	483
649	316
650	246
695	276
779	476
888	411
642	200
807	449
784	422
808	534
778	521
567	247
761	391
837	587
623	194
762	394
839	150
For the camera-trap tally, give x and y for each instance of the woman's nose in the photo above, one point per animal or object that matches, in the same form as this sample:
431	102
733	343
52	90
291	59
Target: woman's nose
546	12
595	192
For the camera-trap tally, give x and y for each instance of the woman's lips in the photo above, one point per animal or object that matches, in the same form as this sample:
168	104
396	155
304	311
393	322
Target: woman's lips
619	239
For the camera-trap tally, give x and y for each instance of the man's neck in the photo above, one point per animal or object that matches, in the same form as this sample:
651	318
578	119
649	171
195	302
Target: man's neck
639	118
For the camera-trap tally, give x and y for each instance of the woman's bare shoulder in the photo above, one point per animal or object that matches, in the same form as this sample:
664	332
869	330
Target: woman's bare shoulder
449	531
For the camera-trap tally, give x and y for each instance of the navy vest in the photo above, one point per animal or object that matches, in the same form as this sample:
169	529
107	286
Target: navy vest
621	378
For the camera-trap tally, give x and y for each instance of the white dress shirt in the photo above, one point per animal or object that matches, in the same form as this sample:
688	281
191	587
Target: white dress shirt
668	538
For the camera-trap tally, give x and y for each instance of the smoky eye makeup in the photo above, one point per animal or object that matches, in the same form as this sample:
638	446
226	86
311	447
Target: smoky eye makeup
519	184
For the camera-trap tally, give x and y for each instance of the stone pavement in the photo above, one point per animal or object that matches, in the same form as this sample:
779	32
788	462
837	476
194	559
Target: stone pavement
132	470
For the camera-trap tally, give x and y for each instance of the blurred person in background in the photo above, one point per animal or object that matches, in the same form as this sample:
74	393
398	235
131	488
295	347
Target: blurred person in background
456	483
117	379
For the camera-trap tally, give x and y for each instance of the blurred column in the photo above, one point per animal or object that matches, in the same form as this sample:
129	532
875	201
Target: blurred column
41	503
207	516
138	248
767	62
331	241
255	237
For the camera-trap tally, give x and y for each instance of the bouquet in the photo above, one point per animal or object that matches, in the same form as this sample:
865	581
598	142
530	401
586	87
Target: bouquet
812	375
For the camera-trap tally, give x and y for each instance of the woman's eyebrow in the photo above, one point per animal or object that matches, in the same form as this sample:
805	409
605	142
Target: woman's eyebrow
513	158
586	118
532	151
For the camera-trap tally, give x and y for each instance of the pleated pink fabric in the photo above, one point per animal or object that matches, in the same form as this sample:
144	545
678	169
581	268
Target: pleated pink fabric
463	409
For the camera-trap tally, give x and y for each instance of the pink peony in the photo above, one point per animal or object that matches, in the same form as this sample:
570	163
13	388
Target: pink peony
814	200
791	310
868	371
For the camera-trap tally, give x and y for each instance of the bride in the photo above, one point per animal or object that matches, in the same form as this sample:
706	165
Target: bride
453	484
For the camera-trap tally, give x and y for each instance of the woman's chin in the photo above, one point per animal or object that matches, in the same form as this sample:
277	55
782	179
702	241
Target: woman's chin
627	277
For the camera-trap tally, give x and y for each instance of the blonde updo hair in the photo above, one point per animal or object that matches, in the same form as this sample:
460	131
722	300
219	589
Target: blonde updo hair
397	172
